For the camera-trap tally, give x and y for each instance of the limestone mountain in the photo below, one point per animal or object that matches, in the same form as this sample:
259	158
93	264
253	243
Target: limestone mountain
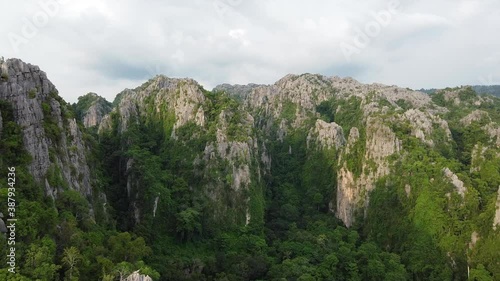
310	178
91	108
221	160
55	143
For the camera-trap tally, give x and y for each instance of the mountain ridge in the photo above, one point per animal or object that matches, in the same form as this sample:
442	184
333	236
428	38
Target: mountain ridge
247	173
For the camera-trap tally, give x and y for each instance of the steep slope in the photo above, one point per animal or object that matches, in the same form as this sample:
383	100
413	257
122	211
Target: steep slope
60	207
310	145
91	108
365	112
50	132
311	178
418	154
206	146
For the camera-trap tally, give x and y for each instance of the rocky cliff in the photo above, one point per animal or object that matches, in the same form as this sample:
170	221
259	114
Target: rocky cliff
367	111
51	135
175	160
225	158
91	108
363	123
50	132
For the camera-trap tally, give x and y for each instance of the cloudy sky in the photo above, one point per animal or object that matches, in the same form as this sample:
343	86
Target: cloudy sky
106	46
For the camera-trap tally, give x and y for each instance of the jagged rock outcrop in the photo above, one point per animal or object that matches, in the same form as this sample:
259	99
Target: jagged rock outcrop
237	153
474	237
174	102
347	197
424	124
91	108
453	178
477	156
493	130
327	134
239	156
381	142
22	78
50	135
180	161
353	189
349	86
475	116
136	276
288	102
180	97
482	117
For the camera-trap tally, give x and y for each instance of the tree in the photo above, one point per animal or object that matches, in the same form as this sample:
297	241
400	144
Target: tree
39	263
123	269
108	277
71	258
125	248
480	274
106	267
317	200
188	222
6	275
146	270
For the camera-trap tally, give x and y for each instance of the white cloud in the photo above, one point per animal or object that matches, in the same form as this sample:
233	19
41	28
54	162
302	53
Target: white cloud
467	9
239	35
105	46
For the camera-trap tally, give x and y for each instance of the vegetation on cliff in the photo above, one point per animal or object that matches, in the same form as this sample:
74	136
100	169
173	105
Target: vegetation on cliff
312	178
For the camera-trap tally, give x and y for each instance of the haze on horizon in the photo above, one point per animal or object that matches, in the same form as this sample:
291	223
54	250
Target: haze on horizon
106	46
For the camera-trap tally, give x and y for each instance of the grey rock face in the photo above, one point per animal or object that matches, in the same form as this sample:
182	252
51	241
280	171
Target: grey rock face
180	96
347	196
380	143
424	123
459	185
98	107
475	116
327	134
238	156
493	130
38	108
28	112
136	276
349	86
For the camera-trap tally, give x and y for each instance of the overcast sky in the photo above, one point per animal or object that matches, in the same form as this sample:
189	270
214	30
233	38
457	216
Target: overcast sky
106	46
